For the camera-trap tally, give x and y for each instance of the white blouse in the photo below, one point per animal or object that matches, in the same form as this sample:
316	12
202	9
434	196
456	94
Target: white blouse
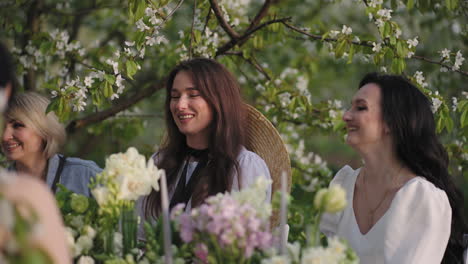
251	167
415	228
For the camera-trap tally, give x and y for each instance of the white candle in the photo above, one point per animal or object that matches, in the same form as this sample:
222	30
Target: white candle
165	219
283	214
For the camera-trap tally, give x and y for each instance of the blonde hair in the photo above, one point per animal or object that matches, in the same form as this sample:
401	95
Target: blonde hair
30	109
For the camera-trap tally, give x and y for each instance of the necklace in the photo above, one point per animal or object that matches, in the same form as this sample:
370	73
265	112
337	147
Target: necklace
372	211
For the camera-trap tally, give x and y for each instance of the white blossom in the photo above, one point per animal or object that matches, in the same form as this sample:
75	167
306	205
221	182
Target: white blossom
334	33
142	53
375	3
53	94
420	79
412	42
141	25
130	43
410	54
88	81
114	64
454	103
436	103
149	11
385	14
458	61
397	33
118	81
376	47
155	21
445	53
379	22
346	30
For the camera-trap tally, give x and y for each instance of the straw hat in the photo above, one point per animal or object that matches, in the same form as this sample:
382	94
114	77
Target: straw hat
263	139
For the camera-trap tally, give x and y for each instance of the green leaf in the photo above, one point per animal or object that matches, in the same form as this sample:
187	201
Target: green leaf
351	54
197	36
96	97
140	39
400	49
464	118
440	123
61	106
386	30
132	68
340	48
449	123
108	91
53	106
140	10
109	78
377	58
410	4
45	47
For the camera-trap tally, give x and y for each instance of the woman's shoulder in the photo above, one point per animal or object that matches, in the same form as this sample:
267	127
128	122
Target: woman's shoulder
89	165
248	156
346	177
422	193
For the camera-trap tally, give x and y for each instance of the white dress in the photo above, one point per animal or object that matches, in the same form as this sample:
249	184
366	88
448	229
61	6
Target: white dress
415	228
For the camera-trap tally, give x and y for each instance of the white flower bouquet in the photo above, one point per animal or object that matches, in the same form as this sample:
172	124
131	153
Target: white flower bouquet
104	228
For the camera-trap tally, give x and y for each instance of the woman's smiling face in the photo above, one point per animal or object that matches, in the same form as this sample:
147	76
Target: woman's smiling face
190	111
364	121
21	142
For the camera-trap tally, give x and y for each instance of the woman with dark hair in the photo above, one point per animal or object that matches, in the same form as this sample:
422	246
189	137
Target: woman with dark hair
203	153
403	206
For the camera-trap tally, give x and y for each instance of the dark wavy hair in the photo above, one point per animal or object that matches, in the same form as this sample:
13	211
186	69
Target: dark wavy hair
407	112
222	93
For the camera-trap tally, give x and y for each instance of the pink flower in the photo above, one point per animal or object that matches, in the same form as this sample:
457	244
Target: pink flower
177	211
186	228
201	252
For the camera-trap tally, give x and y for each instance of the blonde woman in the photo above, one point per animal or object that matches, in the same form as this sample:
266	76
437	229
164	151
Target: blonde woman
31	140
19	191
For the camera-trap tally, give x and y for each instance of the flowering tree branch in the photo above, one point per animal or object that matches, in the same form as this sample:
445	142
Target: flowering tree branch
113	110
222	22
320	37
260	15
465	73
368	44
242	39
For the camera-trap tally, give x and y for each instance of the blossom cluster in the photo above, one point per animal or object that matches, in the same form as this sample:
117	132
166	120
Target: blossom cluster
445	56
235	11
236	224
131	176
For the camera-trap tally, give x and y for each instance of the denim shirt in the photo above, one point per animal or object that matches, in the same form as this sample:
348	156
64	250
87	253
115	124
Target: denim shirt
76	173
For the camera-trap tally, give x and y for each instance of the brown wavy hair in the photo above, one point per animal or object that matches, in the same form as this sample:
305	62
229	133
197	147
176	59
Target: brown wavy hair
222	93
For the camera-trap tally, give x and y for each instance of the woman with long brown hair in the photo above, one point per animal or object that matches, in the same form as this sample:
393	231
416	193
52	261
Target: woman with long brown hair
203	153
